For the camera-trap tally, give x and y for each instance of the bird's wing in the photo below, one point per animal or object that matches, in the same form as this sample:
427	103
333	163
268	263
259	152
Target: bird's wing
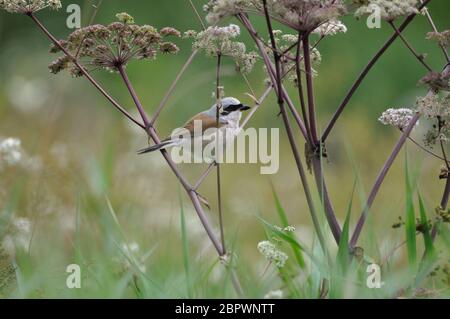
207	122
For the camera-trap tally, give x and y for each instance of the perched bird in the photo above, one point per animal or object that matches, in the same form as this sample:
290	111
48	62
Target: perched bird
202	127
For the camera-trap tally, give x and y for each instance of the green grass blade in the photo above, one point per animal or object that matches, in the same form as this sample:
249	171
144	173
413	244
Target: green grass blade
410	220
428	241
185	243
284	223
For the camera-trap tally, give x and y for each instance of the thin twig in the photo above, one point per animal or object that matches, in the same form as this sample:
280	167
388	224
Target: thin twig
197	14
169	92
419	57
433	26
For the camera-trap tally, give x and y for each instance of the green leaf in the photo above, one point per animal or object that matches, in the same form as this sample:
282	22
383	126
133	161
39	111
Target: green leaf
410	220
428	241
284	223
185	243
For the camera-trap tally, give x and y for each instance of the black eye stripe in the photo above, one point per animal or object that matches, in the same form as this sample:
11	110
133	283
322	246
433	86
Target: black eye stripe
232	108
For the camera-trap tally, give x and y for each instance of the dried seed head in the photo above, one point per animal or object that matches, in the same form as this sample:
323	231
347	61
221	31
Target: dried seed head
108	47
169	31
301	15
29	6
443	38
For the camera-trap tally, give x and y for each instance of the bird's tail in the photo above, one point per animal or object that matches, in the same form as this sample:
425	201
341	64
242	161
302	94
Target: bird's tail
157	147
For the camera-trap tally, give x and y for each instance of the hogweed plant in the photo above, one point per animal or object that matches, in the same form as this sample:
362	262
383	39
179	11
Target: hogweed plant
289	59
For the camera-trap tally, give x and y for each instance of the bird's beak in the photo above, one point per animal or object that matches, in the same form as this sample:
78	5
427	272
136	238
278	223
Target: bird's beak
245	108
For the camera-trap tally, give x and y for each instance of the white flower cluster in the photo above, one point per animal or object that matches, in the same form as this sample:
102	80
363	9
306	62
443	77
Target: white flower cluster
272	254
11	152
13	155
274	294
399	118
220	40
218	9
432	106
389	10
332	27
29	6
131	251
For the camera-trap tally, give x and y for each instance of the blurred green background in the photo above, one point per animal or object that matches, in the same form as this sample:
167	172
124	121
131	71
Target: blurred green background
87	152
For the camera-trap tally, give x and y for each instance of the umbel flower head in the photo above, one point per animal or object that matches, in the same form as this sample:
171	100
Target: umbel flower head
272	254
443	38
388	10
399	118
301	15
29	6
216	41
108	47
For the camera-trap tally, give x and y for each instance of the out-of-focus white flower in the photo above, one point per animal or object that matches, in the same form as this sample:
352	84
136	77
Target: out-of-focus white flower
272	254
13	155
399	118
289	228
18	235
131	252
27	95
274	294
11	152
331	28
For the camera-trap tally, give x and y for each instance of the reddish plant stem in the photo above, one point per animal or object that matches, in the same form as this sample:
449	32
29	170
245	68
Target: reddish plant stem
84	71
310	90
193	195
290	134
380	178
172	87
271	71
150	130
219	187
418	56
365	71
299	82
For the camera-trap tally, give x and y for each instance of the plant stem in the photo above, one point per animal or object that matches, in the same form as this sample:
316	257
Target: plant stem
380	179
271	72
84	71
418	56
433	26
290	134
325	198
218	152
182	179
310	90
365	71
172	87
299	83
152	133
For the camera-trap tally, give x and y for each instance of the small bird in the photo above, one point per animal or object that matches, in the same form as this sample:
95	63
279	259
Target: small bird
230	114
